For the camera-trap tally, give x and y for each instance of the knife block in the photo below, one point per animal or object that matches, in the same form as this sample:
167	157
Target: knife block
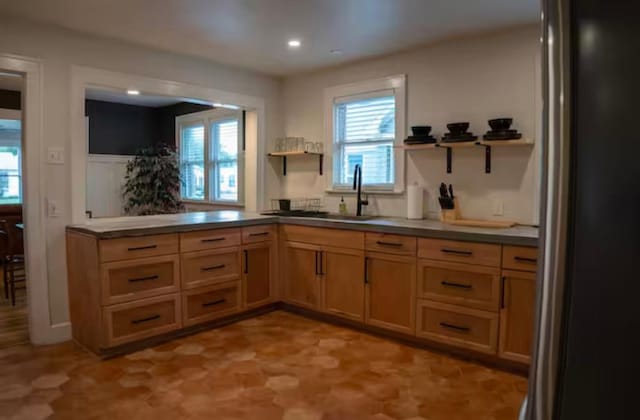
451	215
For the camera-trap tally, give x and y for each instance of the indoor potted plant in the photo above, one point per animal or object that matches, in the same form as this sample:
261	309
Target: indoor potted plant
152	183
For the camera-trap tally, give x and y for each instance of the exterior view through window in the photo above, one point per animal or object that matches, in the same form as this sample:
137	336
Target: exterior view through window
10	161
364	131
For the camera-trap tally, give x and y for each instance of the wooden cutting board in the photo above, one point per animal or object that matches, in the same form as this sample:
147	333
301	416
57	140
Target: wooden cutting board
482	223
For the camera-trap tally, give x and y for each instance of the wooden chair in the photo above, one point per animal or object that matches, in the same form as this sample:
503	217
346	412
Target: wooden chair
12	263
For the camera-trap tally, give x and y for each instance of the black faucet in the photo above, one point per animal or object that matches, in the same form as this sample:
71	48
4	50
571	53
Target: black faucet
357	184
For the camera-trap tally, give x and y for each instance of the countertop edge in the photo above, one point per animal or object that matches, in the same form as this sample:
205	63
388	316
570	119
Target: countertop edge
423	232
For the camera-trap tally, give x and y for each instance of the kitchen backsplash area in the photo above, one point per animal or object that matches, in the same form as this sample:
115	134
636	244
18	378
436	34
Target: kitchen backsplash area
472	80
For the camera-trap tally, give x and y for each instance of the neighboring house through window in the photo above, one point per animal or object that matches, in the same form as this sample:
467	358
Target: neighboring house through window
10	157
210	160
366	123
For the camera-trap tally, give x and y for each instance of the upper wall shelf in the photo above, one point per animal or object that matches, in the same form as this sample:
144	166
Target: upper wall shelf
285	155
487	144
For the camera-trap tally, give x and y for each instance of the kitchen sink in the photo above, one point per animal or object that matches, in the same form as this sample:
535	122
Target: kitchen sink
346	217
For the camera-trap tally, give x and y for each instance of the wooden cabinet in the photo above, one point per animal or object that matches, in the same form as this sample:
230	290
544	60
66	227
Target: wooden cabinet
462	252
517	315
204	268
342	280
390	291
301	271
259	272
209	303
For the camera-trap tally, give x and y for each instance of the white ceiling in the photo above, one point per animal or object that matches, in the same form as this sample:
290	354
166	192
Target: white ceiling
123	98
254	33
10	81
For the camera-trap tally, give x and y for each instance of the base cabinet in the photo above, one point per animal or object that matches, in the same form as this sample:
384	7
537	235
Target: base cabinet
517	315
259	272
390	291
343	282
301	272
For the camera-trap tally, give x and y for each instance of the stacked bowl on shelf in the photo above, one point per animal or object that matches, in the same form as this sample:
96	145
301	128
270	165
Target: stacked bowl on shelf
458	133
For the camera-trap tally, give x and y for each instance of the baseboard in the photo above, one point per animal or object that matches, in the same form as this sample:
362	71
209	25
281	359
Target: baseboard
56	333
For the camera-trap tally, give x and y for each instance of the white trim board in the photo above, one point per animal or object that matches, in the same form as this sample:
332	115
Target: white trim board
41	331
83	77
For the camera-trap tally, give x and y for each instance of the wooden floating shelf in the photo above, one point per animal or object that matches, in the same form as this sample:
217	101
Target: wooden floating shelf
487	144
285	155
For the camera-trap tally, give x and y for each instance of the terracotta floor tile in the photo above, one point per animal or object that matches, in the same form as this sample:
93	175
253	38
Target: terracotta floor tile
277	366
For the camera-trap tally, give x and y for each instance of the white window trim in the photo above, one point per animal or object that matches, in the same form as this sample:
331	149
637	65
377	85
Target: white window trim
207	118
364	89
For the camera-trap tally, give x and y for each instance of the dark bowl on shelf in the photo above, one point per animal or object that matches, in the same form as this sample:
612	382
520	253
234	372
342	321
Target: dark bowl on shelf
498	124
458	128
421	130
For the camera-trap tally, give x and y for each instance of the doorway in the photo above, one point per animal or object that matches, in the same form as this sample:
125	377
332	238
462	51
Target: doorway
14	325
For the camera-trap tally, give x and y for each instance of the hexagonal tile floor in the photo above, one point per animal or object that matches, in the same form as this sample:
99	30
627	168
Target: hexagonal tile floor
277	366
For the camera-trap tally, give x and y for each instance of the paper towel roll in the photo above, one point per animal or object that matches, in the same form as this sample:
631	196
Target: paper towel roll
415	199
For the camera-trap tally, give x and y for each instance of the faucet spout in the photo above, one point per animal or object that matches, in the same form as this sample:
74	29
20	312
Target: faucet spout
357	185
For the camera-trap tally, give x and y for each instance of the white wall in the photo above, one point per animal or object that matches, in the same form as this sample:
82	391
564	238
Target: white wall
58	50
466	79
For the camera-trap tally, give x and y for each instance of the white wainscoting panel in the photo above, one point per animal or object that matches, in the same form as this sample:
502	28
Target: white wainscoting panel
105	180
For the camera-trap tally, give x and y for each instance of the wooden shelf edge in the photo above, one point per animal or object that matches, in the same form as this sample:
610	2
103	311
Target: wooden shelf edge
492	143
280	154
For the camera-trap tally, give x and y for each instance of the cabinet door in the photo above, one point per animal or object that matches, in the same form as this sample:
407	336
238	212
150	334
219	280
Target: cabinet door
258	273
390	291
516	315
301	271
343	282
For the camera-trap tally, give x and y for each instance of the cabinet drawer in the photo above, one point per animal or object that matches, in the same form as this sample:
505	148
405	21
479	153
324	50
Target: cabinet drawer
138	247
260	233
392	244
519	258
456	251
141	319
467	285
208	303
458	326
124	281
210	267
323	236
209	239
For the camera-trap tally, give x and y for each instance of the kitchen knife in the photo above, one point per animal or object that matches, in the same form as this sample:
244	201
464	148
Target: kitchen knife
443	190
451	191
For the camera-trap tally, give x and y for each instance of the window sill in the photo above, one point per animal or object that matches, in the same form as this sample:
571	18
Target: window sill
365	191
213	203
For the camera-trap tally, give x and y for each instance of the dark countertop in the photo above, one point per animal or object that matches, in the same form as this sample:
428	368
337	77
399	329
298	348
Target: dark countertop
117	227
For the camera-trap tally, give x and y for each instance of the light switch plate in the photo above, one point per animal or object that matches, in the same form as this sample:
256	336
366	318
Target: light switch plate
55	155
498	208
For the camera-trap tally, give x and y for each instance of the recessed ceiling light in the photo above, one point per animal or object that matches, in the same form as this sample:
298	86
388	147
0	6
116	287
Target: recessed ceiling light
336	52
133	92
294	43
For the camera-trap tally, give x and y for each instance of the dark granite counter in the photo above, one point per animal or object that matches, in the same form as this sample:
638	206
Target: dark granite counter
185	222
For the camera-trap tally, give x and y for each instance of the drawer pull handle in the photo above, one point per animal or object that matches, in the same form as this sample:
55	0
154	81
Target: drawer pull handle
394	244
213	267
213	303
143	279
458	285
455	327
147	319
457	252
259	234
141	248
213	239
526	260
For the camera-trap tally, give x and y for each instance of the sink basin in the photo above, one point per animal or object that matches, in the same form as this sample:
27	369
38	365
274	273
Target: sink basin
346	217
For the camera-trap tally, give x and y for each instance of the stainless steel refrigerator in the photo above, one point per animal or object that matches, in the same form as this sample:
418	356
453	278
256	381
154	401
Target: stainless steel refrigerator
586	356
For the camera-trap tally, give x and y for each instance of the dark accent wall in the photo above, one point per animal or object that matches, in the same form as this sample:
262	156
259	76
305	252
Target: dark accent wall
10	99
120	129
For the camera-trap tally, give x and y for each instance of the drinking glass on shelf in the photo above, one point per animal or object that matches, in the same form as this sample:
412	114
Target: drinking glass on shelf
309	146
299	144
319	146
280	144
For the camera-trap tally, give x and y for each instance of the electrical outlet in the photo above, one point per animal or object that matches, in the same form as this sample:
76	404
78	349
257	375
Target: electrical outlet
53	208
498	208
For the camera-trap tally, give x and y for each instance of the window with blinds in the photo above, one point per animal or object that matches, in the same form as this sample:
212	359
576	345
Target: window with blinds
209	156
364	134
10	161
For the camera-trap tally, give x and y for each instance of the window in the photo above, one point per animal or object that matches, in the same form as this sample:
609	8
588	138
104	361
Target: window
209	156
365	126
10	161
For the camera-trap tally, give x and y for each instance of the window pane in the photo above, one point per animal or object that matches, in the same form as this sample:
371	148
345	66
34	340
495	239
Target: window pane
367	119
192	162
10	162
224	153
376	161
